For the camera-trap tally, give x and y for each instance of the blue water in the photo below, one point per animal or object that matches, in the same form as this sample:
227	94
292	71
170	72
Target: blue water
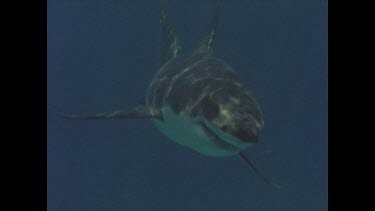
101	56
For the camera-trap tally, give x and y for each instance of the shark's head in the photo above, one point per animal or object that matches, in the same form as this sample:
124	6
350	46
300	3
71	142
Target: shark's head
233	115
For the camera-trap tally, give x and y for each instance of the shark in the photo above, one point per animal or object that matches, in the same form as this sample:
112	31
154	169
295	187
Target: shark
197	100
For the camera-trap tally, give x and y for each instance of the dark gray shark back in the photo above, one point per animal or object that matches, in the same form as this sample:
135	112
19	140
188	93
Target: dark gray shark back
191	83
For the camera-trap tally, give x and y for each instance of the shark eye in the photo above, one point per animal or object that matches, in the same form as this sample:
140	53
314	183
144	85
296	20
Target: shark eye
224	128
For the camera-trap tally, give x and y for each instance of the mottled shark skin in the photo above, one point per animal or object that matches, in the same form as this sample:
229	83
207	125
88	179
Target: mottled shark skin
198	101
205	91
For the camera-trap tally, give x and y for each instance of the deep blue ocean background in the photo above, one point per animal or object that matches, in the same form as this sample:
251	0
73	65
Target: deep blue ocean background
103	53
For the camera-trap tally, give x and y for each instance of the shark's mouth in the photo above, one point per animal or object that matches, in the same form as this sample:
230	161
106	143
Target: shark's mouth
221	138
216	139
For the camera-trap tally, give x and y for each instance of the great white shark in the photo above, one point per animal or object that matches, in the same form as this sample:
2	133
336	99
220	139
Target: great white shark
198	101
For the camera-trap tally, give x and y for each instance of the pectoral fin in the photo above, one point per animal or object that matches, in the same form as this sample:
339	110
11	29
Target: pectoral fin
138	112
252	165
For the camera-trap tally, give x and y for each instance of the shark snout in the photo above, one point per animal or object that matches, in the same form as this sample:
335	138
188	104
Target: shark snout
249	132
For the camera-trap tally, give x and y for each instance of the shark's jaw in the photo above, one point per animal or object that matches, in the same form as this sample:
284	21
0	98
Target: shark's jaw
198	134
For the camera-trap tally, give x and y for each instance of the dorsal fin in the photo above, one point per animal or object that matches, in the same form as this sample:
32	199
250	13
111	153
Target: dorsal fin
207	43
171	46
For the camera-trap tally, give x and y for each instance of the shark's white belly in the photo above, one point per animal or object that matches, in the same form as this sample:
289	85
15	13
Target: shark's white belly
185	131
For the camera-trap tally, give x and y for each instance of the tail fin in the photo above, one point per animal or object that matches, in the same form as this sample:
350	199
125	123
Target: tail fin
207	43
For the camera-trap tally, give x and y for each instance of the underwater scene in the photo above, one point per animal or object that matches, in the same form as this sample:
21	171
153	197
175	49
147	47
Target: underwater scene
200	105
